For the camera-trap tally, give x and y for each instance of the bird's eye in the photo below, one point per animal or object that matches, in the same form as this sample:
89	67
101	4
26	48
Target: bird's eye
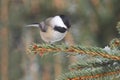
60	29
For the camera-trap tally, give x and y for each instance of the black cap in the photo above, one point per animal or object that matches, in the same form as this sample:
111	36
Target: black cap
65	19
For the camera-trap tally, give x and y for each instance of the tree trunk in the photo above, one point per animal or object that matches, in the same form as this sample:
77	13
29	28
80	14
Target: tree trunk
4	39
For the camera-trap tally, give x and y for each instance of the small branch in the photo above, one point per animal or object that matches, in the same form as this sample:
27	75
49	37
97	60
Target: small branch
41	49
96	76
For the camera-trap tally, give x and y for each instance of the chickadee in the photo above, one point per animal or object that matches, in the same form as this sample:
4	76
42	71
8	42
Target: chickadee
54	28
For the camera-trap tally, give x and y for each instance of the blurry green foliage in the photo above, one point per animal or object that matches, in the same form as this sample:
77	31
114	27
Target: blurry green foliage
93	23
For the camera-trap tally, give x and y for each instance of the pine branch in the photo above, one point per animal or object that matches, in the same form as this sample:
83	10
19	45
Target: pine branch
104	64
96	76
93	51
108	63
93	63
97	71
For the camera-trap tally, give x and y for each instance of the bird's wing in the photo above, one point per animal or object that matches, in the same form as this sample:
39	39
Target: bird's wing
44	25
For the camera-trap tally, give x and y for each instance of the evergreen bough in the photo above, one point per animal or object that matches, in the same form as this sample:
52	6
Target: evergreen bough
101	64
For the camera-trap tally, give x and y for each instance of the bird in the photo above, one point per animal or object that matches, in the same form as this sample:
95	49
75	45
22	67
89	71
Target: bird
54	29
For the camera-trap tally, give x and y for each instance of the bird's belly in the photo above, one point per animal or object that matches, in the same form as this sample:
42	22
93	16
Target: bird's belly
52	36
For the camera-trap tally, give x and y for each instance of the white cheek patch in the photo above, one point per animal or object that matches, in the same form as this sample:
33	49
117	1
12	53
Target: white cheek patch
57	21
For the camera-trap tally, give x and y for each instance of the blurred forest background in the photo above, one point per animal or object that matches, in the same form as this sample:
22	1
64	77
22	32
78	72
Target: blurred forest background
93	24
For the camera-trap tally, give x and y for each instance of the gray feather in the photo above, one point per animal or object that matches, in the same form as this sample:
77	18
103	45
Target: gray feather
43	27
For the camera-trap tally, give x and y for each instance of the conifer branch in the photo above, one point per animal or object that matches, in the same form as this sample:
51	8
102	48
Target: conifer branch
92	73
93	51
105	61
96	76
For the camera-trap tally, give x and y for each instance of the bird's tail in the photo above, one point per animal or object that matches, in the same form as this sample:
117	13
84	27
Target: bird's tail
33	25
